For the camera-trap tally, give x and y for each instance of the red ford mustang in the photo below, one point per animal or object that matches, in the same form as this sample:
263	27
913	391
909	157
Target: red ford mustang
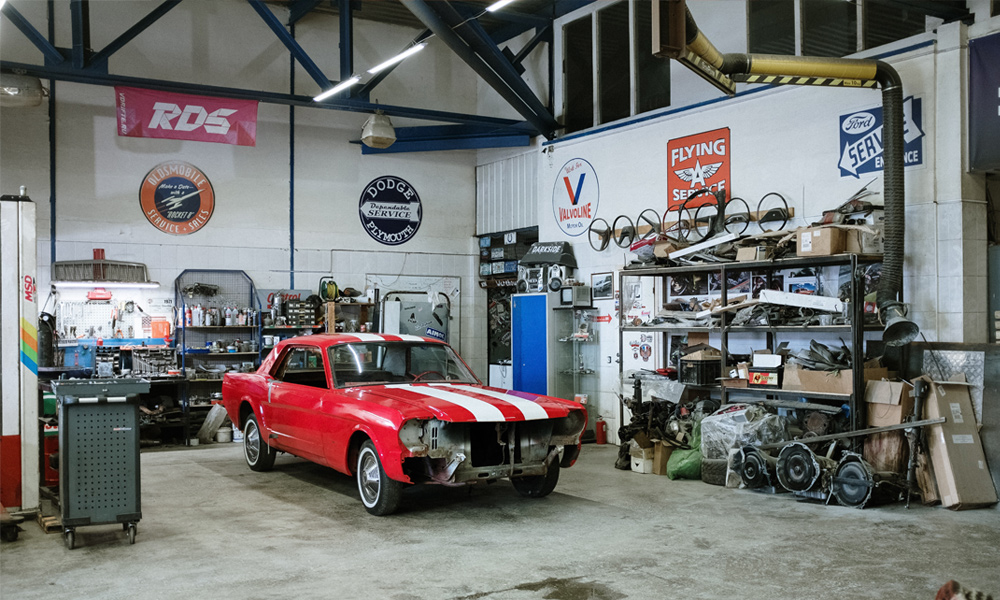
396	410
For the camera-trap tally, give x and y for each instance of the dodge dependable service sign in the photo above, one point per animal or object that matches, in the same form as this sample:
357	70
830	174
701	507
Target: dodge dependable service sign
167	115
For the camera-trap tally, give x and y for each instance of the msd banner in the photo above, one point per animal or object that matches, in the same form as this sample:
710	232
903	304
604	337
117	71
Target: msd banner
167	115
984	103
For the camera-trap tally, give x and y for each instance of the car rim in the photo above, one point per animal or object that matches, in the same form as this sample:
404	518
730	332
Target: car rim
251	442
368	478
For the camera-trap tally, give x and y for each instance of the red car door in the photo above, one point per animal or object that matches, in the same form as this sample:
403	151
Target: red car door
295	397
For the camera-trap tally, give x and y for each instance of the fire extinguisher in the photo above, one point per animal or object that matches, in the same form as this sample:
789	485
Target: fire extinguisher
601	430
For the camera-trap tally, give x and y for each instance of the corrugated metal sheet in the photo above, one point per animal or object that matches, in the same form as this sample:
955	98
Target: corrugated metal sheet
507	194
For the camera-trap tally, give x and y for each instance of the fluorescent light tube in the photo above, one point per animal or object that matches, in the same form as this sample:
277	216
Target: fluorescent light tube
498	5
343	85
106	284
395	59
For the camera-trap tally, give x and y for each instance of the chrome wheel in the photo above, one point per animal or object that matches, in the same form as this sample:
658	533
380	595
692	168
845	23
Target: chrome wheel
368	478
260	456
380	494
251	442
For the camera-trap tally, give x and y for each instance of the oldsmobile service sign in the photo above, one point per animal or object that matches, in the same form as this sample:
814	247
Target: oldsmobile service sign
861	139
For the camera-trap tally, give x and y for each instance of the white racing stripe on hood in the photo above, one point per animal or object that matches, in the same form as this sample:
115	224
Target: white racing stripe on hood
480	409
531	410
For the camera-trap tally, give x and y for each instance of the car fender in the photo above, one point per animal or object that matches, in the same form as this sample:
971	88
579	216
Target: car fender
389	451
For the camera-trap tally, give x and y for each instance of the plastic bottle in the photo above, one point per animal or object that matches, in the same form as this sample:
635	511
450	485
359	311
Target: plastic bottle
187	316
229	316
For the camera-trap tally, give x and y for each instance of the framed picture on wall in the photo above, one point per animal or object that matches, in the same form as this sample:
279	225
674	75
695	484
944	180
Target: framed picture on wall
602	286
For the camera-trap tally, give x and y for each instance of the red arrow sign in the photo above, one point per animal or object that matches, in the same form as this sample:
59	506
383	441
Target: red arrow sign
604	319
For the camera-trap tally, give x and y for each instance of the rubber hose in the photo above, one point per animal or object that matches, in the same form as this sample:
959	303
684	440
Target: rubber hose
891	281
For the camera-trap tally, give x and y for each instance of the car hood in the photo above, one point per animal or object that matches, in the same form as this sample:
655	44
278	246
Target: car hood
464	402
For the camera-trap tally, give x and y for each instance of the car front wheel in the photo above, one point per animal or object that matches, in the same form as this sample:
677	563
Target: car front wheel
379	494
538	486
260	456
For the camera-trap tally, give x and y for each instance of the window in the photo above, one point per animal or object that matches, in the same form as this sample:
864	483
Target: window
302	365
612	30
579	60
652	86
829	28
885	23
380	363
771	27
626	78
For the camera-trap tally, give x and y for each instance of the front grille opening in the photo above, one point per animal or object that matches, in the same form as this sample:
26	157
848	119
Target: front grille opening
485	450
434	438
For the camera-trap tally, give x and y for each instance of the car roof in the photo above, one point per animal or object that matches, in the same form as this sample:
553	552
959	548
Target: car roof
326	340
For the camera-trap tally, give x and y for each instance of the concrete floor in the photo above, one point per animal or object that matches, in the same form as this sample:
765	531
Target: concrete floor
211	528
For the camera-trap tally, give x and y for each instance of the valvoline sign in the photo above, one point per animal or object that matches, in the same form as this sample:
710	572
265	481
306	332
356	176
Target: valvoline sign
861	139
575	196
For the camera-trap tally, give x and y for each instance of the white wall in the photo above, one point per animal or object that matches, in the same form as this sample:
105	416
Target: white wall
787	140
225	43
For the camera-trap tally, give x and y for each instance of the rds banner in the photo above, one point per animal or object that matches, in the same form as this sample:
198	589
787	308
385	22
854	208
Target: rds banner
575	197
697	161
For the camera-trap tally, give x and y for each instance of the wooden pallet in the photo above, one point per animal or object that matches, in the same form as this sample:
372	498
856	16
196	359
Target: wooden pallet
52	524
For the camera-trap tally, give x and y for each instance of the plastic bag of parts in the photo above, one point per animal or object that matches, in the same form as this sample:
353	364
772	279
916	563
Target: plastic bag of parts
654	387
738	425
686	464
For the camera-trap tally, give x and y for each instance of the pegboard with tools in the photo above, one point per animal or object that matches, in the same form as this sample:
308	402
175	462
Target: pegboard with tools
101	319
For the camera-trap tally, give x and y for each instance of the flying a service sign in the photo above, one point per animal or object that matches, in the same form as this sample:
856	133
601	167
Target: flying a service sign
575	196
697	161
861	139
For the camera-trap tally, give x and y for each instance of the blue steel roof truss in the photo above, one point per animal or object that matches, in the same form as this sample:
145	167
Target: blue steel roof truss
82	65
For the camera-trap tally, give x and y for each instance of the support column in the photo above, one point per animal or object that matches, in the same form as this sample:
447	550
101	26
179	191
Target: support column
961	199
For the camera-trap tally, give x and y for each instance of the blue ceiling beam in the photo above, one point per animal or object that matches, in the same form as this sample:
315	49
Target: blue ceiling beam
346	39
52	55
286	38
67	73
300	8
80	19
438	145
365	90
544	34
545	124
473	34
99	60
527	20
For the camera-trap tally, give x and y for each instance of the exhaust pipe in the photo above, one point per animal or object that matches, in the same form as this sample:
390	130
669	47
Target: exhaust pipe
899	330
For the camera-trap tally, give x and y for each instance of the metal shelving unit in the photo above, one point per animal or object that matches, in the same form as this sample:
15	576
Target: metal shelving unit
856	327
211	288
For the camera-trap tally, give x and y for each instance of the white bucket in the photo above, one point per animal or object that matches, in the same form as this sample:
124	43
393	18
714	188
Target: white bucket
224	435
237	434
193	442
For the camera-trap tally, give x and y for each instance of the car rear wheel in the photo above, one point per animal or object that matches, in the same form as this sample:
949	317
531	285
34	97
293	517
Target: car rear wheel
379	494
538	486
259	455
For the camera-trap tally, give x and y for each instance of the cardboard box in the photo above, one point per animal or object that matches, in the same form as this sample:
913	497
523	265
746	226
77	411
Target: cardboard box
887	451
827	382
766	360
753	253
889	402
862	242
765	377
963	478
820	241
661	454
642	439
642	459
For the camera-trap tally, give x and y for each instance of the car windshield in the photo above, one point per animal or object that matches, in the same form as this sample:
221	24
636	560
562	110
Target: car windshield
378	363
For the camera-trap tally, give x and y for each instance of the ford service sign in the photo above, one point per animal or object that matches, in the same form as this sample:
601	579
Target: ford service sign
390	210
861	139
